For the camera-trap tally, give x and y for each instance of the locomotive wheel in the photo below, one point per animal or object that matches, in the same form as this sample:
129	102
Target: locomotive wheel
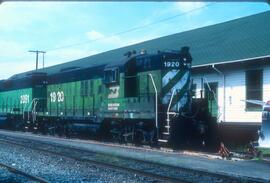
129	132
104	132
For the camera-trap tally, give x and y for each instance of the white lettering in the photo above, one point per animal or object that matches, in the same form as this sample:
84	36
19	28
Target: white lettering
57	96
24	99
113	106
171	64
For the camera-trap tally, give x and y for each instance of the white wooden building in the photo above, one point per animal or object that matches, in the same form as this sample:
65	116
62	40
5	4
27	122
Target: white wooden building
233	83
236	66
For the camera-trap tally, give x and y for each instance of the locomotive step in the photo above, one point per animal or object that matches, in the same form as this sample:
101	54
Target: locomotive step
167	126
162	140
166	133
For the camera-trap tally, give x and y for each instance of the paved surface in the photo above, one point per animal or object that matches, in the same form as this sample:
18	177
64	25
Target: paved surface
252	169
267	159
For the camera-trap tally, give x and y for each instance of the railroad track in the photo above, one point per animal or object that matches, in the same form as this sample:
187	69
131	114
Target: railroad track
146	148
119	163
98	163
23	173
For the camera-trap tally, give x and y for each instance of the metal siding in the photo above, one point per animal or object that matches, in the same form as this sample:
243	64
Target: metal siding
12	99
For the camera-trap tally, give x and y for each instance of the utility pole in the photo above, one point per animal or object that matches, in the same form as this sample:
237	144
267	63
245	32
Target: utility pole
43	64
37	52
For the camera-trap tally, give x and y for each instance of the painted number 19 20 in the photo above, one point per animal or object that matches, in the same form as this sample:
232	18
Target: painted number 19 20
57	96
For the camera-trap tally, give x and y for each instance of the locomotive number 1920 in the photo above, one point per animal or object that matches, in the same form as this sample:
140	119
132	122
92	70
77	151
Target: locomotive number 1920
172	64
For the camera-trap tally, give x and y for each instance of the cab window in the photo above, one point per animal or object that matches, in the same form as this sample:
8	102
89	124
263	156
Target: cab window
111	76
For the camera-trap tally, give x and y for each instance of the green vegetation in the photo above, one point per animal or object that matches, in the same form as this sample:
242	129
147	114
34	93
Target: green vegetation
265	151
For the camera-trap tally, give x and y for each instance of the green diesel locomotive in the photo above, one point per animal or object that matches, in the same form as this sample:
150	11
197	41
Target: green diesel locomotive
141	98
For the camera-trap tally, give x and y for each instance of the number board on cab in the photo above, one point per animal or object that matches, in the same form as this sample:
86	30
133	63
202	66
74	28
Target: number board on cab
172	63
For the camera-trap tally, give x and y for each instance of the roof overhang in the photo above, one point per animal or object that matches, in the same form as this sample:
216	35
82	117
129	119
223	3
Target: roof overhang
259	61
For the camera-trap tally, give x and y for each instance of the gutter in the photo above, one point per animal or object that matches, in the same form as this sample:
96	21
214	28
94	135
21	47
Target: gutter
232	61
224	91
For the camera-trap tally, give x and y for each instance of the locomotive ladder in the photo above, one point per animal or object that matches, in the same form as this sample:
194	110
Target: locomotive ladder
167	126
166	133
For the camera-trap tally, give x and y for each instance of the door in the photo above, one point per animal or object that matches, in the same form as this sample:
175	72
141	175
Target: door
211	96
131	83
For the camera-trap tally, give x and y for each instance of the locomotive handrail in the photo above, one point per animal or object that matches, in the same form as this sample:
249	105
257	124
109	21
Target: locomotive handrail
168	110
34	99
156	98
34	110
170	103
24	110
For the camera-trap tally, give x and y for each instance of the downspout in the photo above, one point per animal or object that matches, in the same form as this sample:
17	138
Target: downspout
224	92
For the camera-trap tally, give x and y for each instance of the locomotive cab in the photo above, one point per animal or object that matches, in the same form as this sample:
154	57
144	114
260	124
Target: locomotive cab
148	91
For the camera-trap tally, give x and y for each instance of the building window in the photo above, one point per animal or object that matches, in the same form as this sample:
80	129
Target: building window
254	87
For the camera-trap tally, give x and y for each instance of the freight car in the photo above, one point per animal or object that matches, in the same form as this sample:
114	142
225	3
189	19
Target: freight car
144	98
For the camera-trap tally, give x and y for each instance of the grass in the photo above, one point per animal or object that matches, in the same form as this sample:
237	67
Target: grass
265	151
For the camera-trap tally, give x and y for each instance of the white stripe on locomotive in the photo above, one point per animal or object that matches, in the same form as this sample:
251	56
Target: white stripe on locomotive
168	76
177	87
181	103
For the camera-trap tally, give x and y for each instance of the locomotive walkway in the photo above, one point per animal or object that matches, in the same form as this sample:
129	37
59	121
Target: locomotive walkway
248	169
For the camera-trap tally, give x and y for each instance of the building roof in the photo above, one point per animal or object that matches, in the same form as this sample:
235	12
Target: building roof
237	39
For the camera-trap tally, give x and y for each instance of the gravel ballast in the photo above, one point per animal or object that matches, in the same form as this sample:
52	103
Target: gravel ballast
83	153
8	177
58	169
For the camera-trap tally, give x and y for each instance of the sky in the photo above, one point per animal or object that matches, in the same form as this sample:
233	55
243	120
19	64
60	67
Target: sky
71	30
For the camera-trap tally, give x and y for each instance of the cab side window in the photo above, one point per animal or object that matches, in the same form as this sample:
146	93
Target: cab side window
111	76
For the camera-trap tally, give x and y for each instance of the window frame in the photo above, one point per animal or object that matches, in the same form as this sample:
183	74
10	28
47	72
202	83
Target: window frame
113	79
194	90
248	89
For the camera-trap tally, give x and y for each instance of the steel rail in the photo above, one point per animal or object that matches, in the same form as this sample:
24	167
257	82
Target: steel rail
23	173
222	176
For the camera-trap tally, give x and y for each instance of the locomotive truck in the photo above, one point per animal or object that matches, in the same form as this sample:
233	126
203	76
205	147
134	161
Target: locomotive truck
143	97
